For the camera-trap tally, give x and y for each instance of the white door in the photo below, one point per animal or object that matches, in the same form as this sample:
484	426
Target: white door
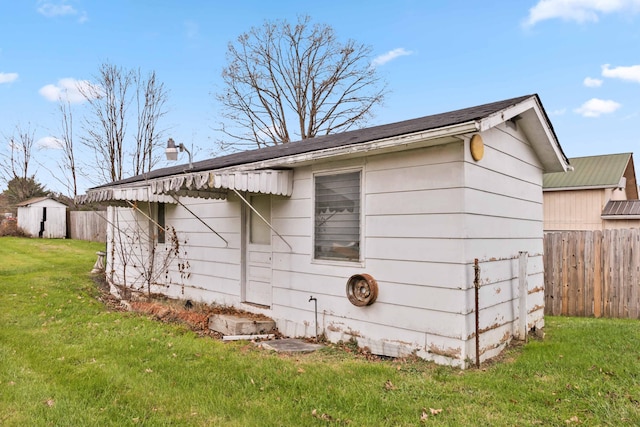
257	284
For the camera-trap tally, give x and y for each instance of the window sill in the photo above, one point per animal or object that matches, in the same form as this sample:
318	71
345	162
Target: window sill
338	262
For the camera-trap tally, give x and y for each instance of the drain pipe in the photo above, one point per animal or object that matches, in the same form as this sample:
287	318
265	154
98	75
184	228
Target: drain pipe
312	298
476	285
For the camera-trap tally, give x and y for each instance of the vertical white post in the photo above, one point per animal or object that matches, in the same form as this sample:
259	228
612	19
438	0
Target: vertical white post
110	247
524	291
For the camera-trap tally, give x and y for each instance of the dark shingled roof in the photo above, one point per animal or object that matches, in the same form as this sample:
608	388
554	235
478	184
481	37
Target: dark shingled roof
337	140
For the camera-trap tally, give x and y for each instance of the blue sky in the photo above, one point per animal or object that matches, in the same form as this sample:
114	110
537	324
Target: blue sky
581	56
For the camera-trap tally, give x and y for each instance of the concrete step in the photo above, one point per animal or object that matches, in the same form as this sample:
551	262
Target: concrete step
289	345
227	324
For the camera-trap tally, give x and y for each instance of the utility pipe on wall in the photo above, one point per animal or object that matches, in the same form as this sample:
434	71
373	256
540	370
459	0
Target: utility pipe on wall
312	298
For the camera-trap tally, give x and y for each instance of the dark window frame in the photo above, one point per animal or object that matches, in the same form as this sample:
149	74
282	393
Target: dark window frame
161	222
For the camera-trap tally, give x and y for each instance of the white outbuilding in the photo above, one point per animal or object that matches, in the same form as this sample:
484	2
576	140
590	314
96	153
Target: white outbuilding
420	237
43	217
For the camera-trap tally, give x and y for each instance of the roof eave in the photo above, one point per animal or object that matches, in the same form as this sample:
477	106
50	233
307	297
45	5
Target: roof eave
429	137
584	187
538	129
620	216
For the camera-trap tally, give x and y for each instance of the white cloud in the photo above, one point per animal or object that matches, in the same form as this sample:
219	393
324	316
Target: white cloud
62	8
67	89
631	73
590	82
8	77
50	142
390	56
578	10
50	9
559	112
596	107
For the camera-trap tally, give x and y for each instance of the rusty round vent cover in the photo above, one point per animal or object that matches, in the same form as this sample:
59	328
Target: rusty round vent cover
362	289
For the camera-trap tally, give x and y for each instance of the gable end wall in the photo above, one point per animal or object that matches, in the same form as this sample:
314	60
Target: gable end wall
504	216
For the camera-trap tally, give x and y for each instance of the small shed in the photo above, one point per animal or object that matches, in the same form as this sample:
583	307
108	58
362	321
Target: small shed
420	237
43	217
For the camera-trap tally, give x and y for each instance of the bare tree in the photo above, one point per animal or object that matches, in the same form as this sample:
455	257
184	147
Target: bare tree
109	100
17	157
15	165
151	98
285	82
68	163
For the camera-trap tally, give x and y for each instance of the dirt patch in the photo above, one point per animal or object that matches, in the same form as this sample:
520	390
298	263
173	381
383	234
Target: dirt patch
194	315
110	301
165	311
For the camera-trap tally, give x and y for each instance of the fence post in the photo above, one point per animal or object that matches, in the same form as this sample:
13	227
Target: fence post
598	279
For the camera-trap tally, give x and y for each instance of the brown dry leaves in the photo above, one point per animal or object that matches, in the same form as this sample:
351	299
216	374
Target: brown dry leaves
432	412
573	420
328	418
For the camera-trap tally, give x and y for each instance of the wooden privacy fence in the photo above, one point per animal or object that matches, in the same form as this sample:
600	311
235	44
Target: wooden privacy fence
592	273
88	225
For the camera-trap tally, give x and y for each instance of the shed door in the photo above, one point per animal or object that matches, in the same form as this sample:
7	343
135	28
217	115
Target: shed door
257	284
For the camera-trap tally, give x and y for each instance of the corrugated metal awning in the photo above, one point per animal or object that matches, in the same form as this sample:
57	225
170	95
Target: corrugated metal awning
622	209
120	195
215	184
208	185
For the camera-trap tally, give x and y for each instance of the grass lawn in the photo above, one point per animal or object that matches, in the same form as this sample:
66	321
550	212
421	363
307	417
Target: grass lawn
65	360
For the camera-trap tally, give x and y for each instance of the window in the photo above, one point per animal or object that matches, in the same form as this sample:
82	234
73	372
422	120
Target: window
259	231
160	222
337	216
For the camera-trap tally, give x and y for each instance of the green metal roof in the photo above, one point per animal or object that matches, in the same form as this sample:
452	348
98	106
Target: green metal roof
590	172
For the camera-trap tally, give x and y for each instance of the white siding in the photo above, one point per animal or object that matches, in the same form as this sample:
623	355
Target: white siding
29	220
412	244
214	266
128	247
503	201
